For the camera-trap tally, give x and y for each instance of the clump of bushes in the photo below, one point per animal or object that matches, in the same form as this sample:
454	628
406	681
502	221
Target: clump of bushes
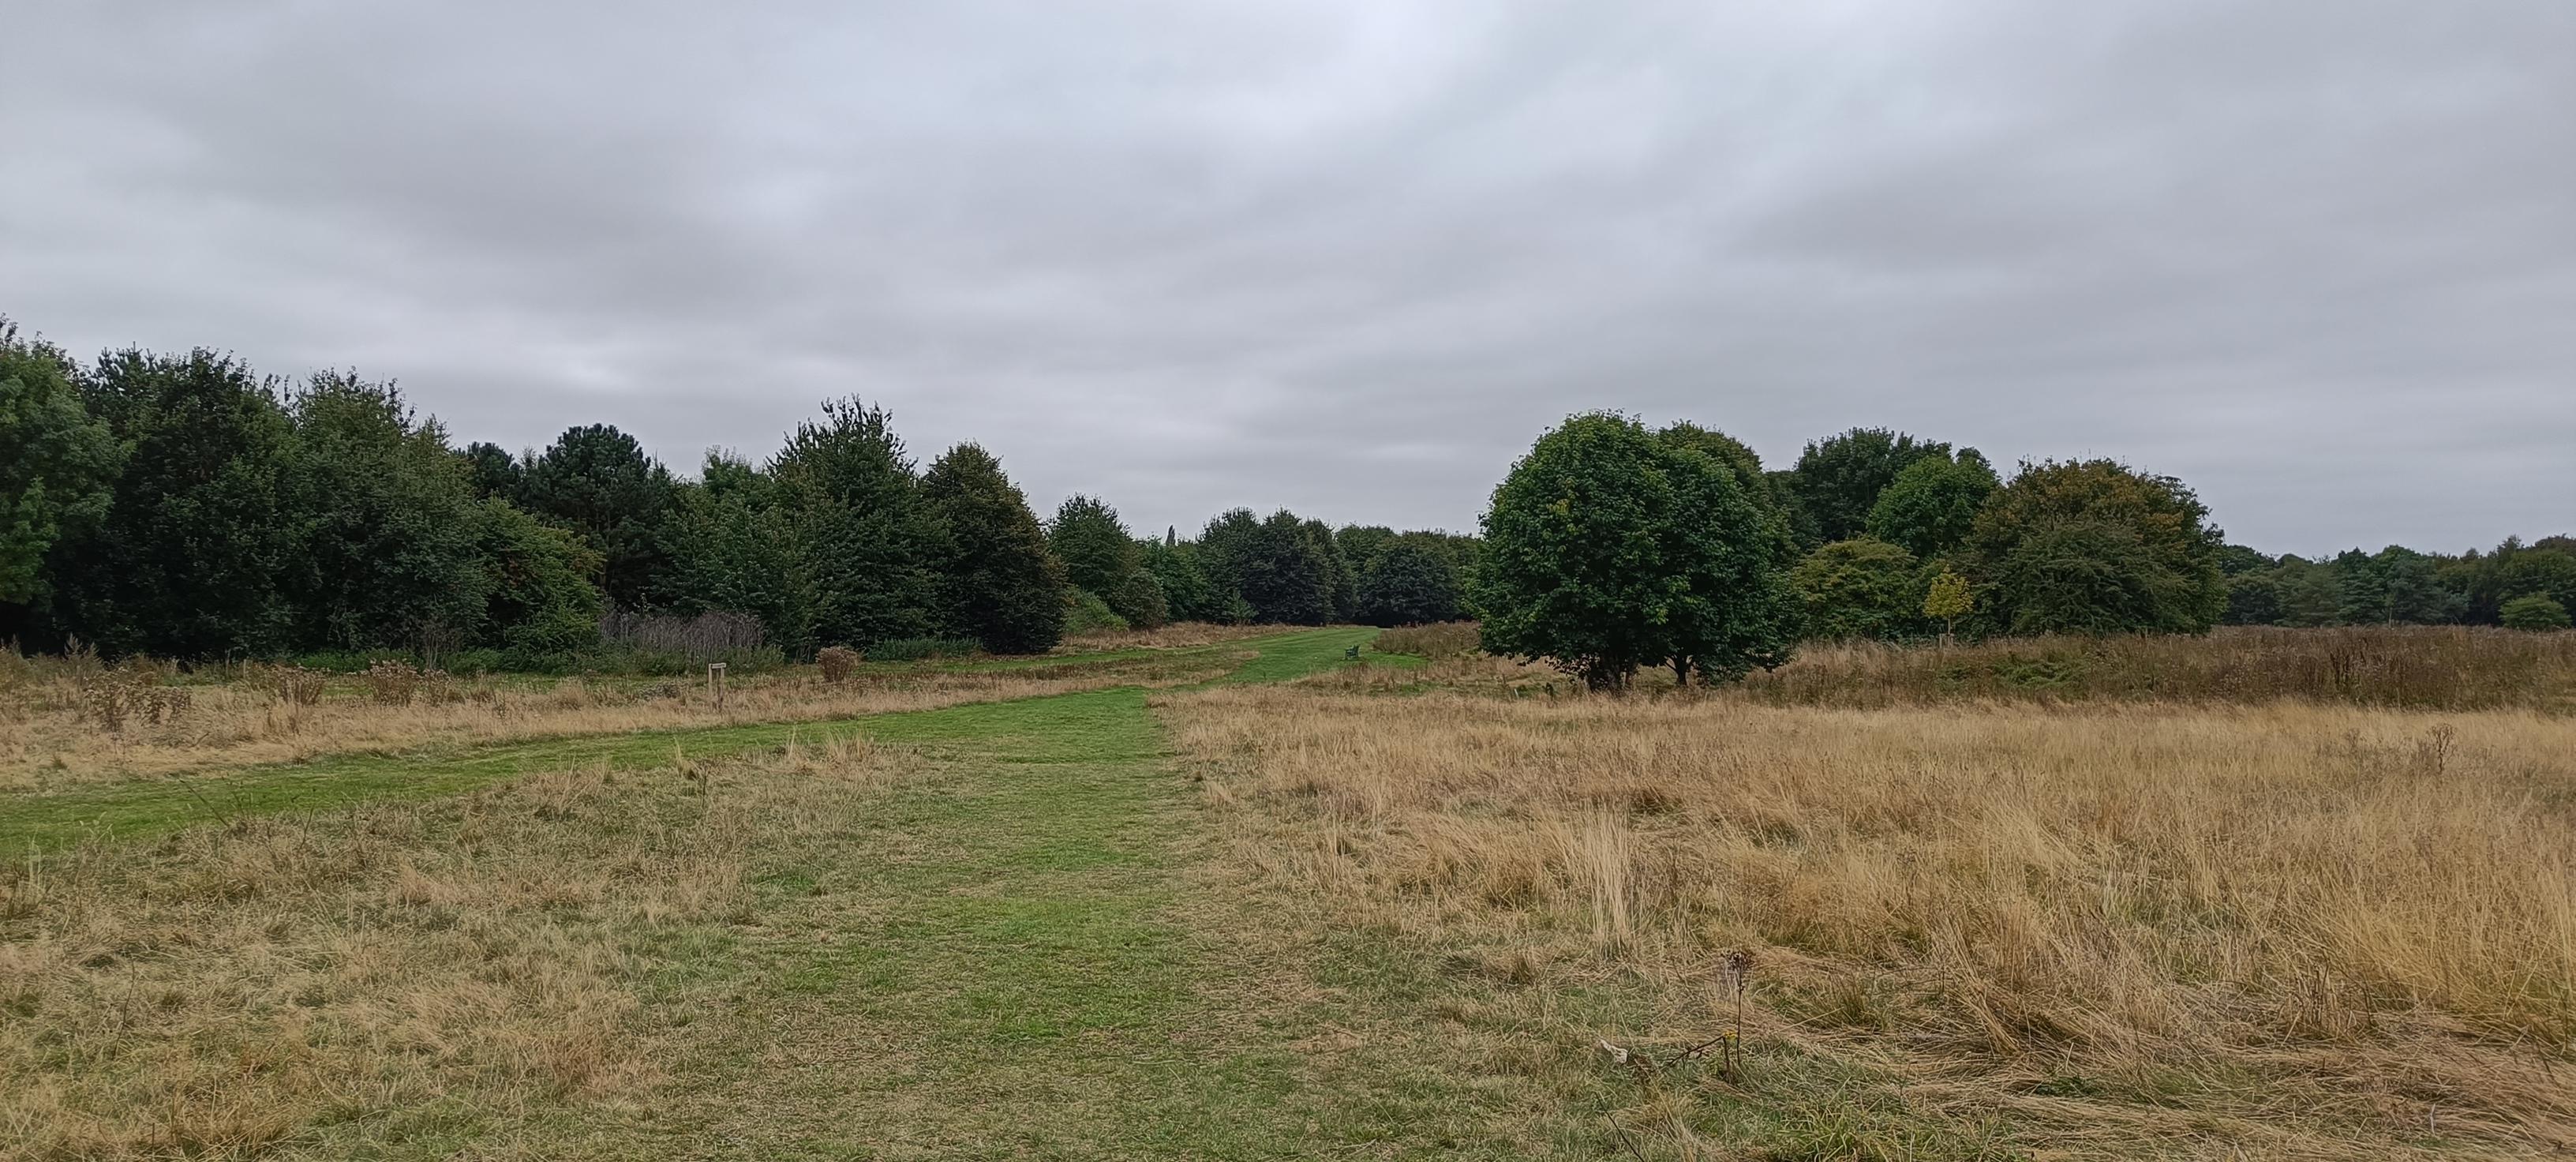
2537	611
392	683
290	684
114	695
838	662
1085	612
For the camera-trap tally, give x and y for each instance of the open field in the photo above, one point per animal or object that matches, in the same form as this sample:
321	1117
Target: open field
1240	899
2286	930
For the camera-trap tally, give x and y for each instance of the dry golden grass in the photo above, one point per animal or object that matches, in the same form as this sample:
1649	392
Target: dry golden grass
1173	636
51	737
2420	667
2126	930
414	970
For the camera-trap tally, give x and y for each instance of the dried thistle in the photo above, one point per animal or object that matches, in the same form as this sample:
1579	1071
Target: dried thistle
1737	965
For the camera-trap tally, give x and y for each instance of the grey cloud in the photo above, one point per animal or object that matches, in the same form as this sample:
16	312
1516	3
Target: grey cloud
2315	257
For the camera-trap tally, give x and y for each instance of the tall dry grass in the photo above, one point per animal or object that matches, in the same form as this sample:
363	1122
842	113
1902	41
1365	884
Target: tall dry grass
2414	667
1438	640
2290	930
276	983
1175	635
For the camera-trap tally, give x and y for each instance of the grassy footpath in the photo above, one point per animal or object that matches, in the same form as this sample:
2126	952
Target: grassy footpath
1021	944
1017	962
160	805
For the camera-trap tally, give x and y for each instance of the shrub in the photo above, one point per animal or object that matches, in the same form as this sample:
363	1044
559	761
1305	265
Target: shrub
2537	611
838	662
913	649
392	683
1085	612
290	684
112	696
1859	588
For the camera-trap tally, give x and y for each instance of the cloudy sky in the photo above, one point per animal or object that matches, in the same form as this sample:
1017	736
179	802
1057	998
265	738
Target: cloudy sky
2316	257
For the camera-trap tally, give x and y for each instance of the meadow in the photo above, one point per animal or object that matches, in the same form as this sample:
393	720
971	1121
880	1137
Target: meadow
1216	894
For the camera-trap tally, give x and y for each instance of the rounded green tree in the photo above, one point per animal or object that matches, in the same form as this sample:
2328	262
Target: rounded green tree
2537	611
1607	549
2096	547
1930	505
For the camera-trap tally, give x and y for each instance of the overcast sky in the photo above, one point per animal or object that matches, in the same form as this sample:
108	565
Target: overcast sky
2317	258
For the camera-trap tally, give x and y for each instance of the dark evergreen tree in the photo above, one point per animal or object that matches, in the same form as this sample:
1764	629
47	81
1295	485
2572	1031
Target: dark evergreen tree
732	548
864	547
1407	582
598	482
1341	580
1003	587
2396	584
493	472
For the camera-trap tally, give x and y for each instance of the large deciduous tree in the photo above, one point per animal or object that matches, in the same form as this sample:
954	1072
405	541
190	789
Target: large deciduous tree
189	559
1406	582
1607	548
1101	558
1003	587
1927	509
2092	546
1837	479
387	523
58	466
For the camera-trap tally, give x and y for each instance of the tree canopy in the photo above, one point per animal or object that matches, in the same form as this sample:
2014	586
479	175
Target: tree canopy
1837	480
2092	546
1607	548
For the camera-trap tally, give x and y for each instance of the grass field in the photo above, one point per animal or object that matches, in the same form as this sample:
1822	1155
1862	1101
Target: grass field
1242	899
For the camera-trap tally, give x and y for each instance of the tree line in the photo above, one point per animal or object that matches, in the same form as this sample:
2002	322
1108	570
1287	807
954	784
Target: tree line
184	506
1612	546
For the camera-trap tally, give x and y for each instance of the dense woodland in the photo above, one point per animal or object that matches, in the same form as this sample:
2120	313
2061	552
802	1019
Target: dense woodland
185	506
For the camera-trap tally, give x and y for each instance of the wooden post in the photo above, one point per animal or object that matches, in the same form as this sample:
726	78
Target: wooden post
716	683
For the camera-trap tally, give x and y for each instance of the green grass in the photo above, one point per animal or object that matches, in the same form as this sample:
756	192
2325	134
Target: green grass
145	807
1015	951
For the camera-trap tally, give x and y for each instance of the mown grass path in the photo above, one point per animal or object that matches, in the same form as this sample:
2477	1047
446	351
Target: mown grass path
1020	960
158	805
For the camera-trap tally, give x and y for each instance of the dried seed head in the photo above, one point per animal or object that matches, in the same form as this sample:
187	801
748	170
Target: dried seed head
1737	964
